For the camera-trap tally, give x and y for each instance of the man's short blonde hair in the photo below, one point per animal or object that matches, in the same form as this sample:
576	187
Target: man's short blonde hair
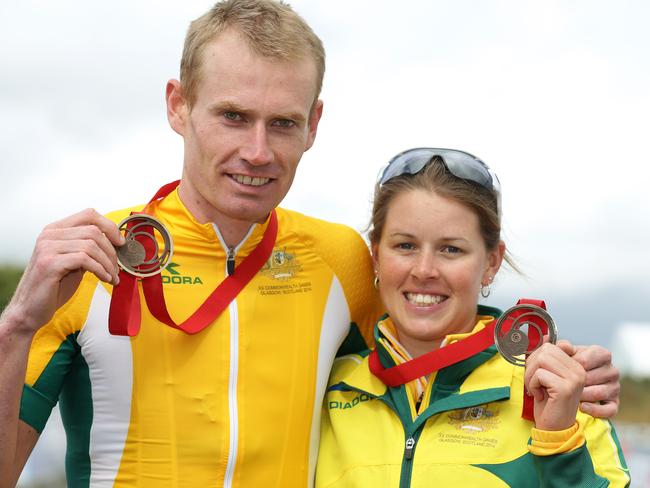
271	29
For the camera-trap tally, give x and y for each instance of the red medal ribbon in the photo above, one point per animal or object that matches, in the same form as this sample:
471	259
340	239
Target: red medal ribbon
433	360
124	313
451	354
528	408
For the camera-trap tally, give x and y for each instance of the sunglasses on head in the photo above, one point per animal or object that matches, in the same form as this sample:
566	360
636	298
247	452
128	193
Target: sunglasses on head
459	163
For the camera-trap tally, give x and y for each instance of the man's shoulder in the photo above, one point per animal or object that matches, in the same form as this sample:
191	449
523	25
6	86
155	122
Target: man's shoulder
324	231
119	215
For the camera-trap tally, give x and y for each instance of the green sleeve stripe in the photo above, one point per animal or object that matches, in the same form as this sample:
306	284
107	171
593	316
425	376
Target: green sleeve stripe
573	469
39	399
76	406
617	445
354	343
35	408
51	379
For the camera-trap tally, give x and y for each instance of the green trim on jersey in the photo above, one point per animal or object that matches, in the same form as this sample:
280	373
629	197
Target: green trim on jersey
566	464
38	400
354	343
35	408
619	448
513	473
68	372
76	406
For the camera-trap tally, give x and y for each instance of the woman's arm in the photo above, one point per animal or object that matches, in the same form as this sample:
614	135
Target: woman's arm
571	448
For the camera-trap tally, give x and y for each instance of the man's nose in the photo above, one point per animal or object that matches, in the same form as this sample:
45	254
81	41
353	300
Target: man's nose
256	148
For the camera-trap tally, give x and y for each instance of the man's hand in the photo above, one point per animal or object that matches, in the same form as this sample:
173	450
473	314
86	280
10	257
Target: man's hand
64	251
600	397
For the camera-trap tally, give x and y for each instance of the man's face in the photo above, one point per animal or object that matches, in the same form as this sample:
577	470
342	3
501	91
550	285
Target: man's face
252	120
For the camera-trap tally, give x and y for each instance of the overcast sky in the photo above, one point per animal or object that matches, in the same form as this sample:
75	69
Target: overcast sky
552	94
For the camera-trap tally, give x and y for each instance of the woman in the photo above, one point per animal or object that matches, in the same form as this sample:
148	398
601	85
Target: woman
435	240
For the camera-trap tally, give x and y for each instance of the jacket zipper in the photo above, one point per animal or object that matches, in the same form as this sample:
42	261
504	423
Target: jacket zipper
408	451
230	261
233	374
410	442
407	459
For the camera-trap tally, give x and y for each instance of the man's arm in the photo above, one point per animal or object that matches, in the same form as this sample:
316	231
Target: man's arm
64	251
14	348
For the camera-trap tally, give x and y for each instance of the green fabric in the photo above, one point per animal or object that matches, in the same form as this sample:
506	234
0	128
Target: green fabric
619	449
35	408
515	472
407	464
354	343
77	414
66	378
400	403
38	400
487	310
51	379
573	469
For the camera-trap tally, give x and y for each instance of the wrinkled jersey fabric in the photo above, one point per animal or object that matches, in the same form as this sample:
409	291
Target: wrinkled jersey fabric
237	404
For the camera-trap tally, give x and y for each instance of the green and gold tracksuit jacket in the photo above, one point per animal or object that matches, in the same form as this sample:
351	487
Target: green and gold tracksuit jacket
236	405
467	431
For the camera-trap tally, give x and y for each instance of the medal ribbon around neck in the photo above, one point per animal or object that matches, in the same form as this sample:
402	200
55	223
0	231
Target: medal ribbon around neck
458	351
125	312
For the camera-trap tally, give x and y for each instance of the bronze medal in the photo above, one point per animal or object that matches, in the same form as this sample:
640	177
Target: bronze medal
520	330
141	255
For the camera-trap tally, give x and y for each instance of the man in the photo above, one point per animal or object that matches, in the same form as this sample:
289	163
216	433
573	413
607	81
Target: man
238	403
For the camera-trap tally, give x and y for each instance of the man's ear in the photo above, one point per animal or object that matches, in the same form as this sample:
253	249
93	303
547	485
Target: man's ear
177	106
314	118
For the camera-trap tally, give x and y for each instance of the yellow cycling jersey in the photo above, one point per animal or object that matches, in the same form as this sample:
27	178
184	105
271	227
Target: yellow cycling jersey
236	405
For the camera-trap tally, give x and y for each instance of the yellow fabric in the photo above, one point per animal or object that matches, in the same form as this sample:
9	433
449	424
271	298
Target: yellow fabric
63	324
187	391
547	443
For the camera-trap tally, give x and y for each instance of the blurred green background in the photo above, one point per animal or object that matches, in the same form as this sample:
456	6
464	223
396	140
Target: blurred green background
9	276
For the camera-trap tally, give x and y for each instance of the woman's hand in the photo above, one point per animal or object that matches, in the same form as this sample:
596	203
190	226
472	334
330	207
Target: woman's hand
556	380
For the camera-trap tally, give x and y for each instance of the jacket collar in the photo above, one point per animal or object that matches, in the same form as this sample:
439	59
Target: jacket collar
355	374
182	225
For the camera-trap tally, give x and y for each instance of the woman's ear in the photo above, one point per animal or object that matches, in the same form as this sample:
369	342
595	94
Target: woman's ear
495	258
374	252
